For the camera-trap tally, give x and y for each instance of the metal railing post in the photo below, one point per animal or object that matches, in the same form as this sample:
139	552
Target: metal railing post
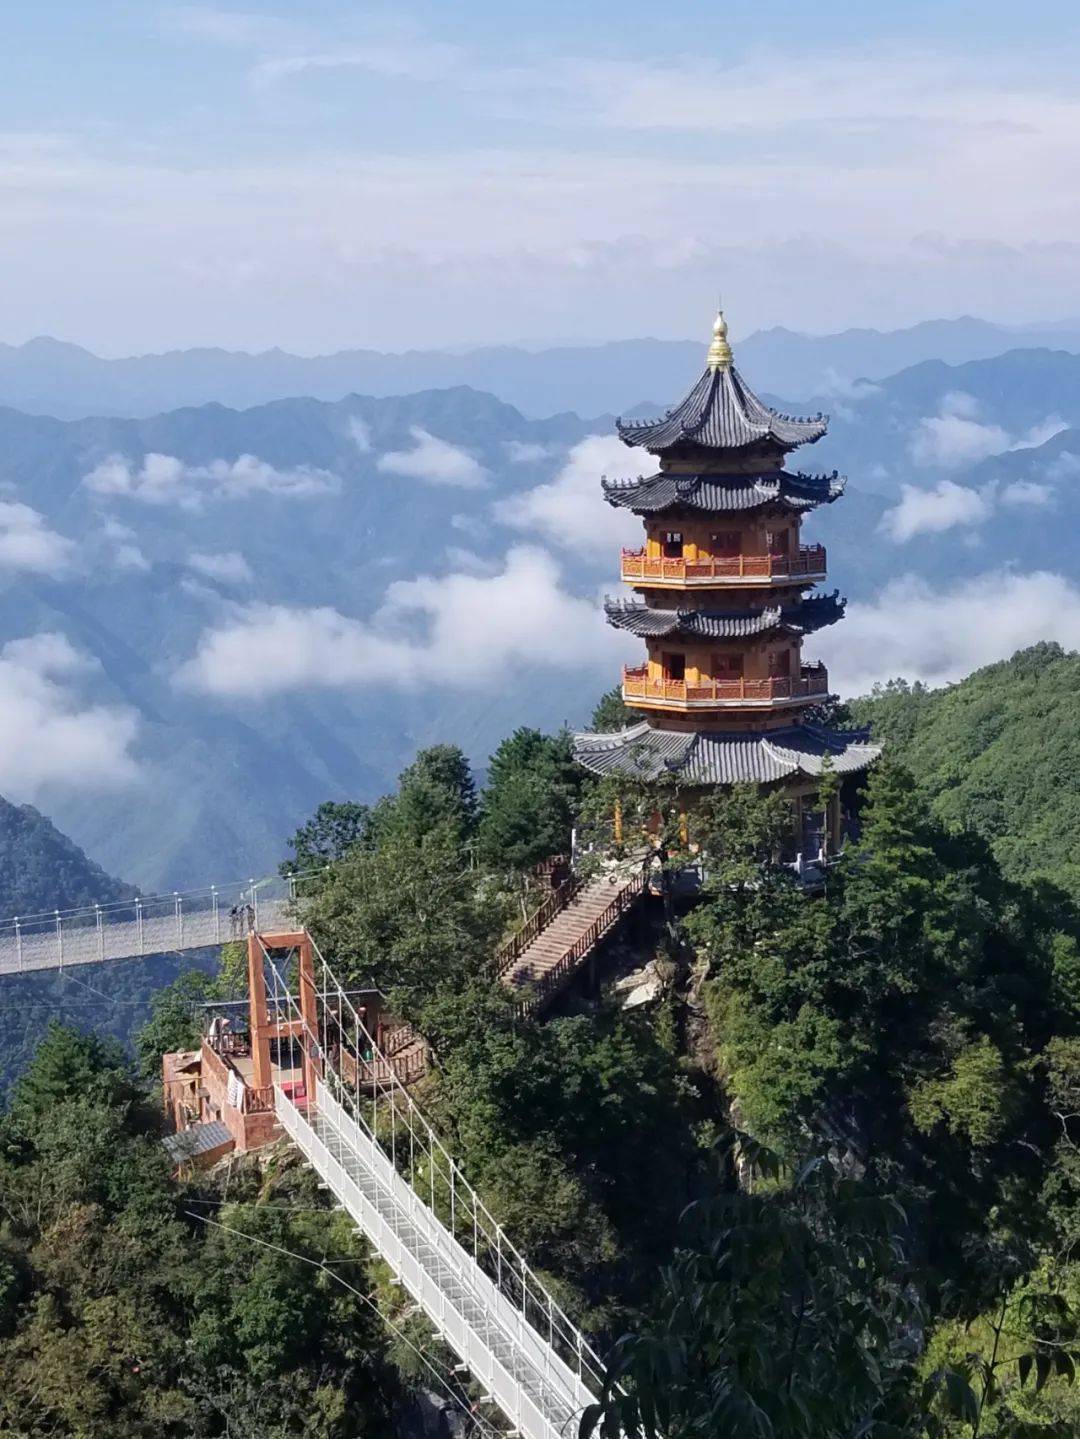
178	907
100	932
60	938
18	942
139	923
216	911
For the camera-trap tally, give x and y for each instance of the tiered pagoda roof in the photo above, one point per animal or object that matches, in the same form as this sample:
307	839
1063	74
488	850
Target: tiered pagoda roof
813	613
733	445
709	758
721	412
656	493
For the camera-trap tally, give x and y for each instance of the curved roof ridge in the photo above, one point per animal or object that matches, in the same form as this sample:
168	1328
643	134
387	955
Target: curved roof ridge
721	412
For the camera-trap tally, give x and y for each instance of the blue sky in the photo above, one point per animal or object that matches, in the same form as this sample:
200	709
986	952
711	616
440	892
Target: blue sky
330	175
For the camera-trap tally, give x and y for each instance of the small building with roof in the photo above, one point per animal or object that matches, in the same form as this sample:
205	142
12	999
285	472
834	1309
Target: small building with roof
723	598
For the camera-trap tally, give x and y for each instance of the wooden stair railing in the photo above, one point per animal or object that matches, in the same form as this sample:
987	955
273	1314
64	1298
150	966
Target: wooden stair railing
555	977
555	903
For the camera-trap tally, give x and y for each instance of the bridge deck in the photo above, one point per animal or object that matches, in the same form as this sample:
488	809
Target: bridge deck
159	924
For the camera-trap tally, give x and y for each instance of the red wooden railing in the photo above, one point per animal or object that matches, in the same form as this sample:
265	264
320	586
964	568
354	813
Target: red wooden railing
229	1043
398	1038
808	560
557	976
405	1067
519	943
813	680
258	1101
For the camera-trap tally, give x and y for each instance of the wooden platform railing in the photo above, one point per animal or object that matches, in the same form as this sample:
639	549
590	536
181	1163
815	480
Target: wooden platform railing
258	1101
808	560
398	1038
519	942
554	979
813	680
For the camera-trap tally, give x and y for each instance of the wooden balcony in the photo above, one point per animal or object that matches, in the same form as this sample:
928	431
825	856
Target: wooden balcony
808	563
638	688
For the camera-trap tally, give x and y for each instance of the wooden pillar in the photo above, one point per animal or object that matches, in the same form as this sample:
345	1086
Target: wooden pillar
835	816
310	1014
259	1018
618	821
684	829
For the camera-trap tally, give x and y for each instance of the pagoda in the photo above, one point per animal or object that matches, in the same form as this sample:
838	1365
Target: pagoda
723	598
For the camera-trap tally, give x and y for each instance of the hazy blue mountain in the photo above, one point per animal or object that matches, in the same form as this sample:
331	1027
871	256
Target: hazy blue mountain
41	869
47	376
222	782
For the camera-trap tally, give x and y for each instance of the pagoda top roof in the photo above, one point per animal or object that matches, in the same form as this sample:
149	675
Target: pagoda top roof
721	412
707	758
713	493
649	622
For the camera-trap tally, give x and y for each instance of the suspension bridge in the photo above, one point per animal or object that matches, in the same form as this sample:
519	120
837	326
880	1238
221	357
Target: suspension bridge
148	924
354	1120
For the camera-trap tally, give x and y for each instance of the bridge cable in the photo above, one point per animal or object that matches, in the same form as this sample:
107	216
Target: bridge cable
456	1399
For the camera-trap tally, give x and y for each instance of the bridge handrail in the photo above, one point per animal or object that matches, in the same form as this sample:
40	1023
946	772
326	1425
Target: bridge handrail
243	889
590	1366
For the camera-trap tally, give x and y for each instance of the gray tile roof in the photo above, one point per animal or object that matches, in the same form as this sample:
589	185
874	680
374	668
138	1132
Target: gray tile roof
644	620
707	758
722	412
196	1139
714	494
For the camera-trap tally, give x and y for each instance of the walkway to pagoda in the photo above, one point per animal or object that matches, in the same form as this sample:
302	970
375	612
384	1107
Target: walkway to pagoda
552	947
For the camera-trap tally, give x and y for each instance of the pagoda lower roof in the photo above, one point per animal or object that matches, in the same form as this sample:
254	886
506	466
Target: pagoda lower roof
654	494
722	412
649	622
704	757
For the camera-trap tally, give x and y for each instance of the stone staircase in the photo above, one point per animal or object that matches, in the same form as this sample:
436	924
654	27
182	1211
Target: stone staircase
557	941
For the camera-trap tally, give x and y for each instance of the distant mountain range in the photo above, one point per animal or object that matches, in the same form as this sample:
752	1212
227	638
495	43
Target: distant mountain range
47	376
328	507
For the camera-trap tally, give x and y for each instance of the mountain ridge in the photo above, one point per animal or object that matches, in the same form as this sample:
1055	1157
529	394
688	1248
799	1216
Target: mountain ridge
49	376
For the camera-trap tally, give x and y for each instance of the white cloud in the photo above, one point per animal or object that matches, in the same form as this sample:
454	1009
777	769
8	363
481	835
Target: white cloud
918	632
27	543
48	737
435	461
1065	467
167	480
1027	492
462	630
923	512
360	431
843	387
525	452
955	437
124	550
569	510
951	440
229	566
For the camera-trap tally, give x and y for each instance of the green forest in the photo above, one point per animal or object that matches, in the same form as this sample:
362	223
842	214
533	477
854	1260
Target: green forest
826	1184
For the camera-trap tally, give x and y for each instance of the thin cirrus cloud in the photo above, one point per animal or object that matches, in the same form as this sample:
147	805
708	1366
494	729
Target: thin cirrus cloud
27	544
917	631
464	629
166	480
49	736
435	461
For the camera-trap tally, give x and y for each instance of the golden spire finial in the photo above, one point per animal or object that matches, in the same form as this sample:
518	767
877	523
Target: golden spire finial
719	356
